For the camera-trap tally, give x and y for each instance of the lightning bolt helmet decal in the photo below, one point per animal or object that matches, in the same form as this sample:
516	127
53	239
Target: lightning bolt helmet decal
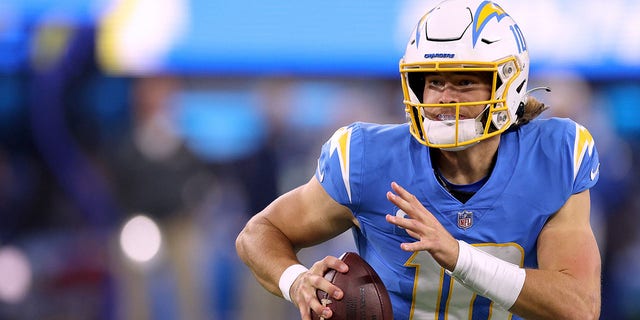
485	12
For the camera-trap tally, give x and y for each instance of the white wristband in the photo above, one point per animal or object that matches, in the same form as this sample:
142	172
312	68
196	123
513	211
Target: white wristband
489	276
287	278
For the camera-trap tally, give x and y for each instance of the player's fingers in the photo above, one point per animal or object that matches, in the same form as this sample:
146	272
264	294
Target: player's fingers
323	266
305	313
335	263
400	202
411	246
305	295
403	193
320	268
415	229
410	204
329	262
413	205
407	202
414	234
408	224
321	309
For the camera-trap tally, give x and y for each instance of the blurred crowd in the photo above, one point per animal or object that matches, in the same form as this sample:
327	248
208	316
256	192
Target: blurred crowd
81	152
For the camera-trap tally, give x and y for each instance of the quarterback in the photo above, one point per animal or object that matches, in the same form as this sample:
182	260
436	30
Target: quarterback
473	209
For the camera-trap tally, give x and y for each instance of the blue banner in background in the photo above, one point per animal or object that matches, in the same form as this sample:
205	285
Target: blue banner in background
337	38
327	37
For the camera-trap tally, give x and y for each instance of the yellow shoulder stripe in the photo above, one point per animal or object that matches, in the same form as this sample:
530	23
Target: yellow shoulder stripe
340	142
583	145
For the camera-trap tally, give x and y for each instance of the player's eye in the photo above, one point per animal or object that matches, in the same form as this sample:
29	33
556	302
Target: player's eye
466	82
436	83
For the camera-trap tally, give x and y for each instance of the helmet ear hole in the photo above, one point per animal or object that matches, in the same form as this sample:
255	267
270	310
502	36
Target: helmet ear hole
520	111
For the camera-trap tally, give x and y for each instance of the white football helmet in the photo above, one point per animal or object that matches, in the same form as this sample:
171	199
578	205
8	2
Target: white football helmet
469	36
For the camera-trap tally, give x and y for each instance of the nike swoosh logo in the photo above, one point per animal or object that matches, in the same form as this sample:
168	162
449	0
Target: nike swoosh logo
594	173
487	41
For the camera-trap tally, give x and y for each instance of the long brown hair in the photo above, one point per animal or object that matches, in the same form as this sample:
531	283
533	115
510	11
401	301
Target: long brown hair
532	109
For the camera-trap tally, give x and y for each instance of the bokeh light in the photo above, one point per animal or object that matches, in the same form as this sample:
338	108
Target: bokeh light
15	275
140	238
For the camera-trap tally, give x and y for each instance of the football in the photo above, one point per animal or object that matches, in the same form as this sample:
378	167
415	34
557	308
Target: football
365	296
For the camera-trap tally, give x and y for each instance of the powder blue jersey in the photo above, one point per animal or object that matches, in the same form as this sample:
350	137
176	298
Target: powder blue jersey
539	166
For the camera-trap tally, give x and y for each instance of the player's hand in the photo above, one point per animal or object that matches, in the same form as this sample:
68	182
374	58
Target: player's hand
423	226
303	289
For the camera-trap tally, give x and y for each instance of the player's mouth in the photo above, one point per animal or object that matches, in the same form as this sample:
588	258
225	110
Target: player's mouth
446	117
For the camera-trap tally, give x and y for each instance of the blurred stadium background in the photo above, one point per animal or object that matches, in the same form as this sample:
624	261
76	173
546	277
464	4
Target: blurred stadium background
138	136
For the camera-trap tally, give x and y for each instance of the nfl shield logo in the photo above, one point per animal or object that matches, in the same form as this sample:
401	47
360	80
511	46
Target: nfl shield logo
465	219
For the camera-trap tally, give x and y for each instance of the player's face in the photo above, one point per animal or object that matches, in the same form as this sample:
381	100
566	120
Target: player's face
456	87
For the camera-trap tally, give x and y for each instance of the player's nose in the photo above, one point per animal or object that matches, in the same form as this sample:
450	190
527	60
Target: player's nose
448	94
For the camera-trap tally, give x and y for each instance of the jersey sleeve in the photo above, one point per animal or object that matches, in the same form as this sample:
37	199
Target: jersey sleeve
339	166
586	164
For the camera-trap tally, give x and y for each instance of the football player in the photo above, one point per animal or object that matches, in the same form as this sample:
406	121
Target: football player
474	209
